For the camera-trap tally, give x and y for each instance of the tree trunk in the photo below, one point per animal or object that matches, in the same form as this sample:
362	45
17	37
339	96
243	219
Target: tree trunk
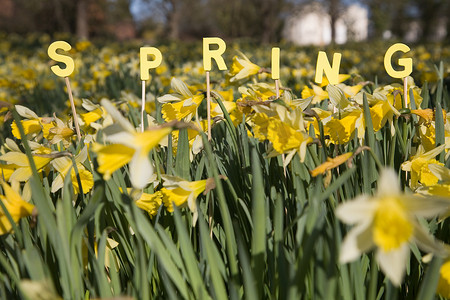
59	15
334	13
82	19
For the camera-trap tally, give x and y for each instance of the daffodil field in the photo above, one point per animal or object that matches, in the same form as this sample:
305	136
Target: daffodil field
325	192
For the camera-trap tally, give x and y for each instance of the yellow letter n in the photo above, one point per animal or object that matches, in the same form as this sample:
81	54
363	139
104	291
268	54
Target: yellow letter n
323	65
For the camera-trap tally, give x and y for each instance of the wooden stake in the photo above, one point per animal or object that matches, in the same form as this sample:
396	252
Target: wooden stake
277	87
72	104
405	91
208	104
143	106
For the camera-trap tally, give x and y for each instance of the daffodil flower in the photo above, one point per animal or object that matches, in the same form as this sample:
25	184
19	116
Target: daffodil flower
64	164
32	125
185	102
16	207
316	92
150	202
443	287
341	126
18	162
180	192
388	222
60	132
418	165
242	68
285	138
128	146
95	113
394	91
341	78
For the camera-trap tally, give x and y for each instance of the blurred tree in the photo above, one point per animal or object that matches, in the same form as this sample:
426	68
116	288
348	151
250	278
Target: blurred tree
430	12
82	19
334	10
258	19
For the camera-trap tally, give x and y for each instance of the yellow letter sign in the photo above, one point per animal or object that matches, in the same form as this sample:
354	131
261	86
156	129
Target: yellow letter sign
67	60
146	64
323	65
275	63
404	62
209	54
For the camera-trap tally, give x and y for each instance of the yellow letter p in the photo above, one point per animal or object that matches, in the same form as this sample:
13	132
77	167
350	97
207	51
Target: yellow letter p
145	64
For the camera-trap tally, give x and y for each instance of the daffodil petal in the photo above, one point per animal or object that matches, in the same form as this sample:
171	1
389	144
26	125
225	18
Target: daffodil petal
141	170
355	211
393	263
357	241
388	183
426	242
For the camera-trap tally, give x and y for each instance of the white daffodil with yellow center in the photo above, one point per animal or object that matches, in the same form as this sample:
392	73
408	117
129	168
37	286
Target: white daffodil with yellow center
128	146
388	223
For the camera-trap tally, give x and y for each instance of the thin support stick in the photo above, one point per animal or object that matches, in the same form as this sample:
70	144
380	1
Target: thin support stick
277	87
74	112
405	91
208	104
143	106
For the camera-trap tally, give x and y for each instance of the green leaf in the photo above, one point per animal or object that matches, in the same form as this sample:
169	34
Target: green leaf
182	161
259	222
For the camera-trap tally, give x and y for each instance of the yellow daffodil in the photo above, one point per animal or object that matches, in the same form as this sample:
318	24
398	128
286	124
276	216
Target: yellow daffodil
394	93
443	287
341	127
63	164
388	222
32	125
60	132
127	146
418	165
150	202
180	192
242	68
16	207
341	78
285	138
351	91
316	92
441	189
19	162
185	102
